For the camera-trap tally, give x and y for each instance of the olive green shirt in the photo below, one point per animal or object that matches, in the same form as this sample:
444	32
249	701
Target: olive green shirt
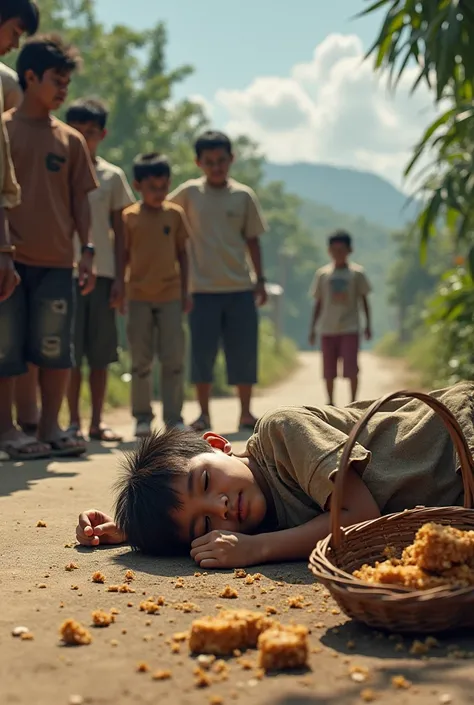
405	455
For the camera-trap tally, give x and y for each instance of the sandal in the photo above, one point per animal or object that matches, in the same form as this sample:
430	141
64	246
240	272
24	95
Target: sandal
31	429
202	424
74	432
61	446
104	434
17	449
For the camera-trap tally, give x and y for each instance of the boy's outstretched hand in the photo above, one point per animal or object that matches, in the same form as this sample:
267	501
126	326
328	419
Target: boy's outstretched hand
224	549
96	528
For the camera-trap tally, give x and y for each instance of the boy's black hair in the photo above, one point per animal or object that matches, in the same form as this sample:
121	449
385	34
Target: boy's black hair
88	110
212	139
26	10
45	52
342	237
152	164
146	496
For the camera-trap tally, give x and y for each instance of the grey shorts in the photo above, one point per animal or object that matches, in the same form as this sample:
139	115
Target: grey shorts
233	320
95	330
36	321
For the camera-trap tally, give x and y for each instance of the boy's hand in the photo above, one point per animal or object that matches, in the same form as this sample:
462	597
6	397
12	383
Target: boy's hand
312	338
368	333
117	296
86	275
261	296
187	303
224	549
96	528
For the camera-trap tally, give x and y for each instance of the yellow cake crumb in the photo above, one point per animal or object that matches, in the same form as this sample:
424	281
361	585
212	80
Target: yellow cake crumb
74	634
229	593
41	524
201	678
102	619
143	667
27	636
296	602
114	610
249	580
240	573
70	567
283	648
401	682
368	695
98	577
129	575
161	675
149	607
230	630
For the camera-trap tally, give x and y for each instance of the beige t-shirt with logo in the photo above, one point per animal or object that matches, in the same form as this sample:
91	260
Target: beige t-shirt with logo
222	220
114	194
340	292
53	167
12	93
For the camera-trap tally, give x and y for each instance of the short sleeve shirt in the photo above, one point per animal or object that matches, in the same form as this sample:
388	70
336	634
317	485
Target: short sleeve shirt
12	93
114	194
53	167
404	455
340	291
154	238
222	220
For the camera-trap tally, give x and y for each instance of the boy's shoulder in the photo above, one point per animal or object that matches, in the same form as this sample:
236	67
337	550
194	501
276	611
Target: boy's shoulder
238	187
326	270
170	207
109	169
191	185
133	210
356	268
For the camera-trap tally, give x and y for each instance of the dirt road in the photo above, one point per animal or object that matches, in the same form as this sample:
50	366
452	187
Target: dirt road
38	592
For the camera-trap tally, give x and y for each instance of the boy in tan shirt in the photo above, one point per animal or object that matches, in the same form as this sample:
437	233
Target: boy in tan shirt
340	290
55	173
271	503
157	292
226	225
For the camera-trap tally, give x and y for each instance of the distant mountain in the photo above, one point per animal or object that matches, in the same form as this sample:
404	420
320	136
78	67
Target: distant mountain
356	193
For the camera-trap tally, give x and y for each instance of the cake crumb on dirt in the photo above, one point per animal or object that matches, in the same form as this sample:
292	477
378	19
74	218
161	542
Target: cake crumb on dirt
240	573
229	593
368	695
41	524
283	648
161	675
74	634
98	577
102	619
27	636
296	602
70	567
201	678
143	667
401	682
149	607
130	575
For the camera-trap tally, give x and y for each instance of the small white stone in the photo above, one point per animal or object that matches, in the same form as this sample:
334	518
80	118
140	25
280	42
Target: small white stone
205	661
76	700
358	677
252	682
445	699
18	631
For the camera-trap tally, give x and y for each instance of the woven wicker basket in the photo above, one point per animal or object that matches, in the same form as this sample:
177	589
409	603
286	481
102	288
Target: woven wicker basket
394	608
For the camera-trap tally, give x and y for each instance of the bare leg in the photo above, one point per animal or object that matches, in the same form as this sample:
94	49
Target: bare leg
245	396
354	387
204	394
98	385
73	397
26	398
53	386
330	390
8	431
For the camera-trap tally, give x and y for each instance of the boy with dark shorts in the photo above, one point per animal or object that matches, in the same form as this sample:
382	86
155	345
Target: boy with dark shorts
339	289
272	502
56	174
226	224
95	322
157	291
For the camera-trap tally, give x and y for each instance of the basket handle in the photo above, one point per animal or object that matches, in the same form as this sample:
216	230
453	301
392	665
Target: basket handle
455	431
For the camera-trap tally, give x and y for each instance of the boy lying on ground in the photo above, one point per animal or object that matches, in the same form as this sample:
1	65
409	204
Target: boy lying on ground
271	503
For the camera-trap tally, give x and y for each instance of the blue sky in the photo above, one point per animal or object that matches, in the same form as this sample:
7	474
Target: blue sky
290	74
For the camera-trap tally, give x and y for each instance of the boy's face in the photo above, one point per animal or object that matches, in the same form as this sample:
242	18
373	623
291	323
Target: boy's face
92	133
10	34
218	492
154	190
51	90
215	163
339	253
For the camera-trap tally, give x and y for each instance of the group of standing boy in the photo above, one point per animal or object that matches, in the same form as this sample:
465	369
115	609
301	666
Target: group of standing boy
70	229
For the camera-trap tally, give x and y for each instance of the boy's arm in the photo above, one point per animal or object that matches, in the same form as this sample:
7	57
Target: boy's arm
10	196
117	295
368	318
255	226
314	320
182	235
226	550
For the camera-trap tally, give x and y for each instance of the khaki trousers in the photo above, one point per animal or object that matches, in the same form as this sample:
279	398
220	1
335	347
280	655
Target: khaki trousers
157	328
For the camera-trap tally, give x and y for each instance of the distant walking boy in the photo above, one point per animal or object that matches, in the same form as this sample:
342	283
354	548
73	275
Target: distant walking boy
339	289
156	234
95	328
55	173
226	224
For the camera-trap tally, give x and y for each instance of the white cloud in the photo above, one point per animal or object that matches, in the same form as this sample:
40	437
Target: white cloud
332	109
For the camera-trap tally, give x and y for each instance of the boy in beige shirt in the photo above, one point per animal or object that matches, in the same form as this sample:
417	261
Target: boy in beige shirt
226	224
55	173
157	291
179	492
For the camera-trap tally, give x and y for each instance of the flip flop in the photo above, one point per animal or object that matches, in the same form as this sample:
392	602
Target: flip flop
74	432
31	429
105	435
16	449
60	447
202	424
